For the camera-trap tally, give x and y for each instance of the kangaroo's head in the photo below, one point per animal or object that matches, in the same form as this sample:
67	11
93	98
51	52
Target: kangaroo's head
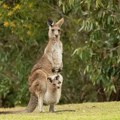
55	81
55	29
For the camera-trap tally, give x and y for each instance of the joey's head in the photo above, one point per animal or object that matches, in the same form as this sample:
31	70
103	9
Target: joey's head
56	81
55	29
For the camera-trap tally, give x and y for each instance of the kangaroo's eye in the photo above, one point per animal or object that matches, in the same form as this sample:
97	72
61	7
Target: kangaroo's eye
57	77
59	82
52	30
59	30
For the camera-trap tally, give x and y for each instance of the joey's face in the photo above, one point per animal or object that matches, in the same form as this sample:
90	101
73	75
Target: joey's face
56	81
55	29
57	84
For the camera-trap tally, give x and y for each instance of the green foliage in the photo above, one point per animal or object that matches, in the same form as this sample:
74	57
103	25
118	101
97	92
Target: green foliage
100	22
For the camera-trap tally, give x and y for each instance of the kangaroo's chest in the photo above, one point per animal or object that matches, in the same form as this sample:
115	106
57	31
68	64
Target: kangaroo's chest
57	53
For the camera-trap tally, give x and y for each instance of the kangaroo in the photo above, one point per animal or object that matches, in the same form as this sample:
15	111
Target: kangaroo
49	64
51	95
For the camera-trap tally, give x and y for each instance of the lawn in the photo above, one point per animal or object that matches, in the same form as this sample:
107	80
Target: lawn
84	111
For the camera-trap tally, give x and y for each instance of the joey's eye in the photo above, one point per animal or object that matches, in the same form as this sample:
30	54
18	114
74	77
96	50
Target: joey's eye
59	82
57	77
52	30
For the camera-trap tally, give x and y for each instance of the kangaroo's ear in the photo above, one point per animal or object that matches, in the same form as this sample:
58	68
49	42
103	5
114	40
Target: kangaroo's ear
60	22
49	79
50	22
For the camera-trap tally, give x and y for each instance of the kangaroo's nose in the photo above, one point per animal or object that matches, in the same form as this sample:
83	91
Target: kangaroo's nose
56	36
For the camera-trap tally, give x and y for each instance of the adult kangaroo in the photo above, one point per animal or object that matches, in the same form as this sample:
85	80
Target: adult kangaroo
49	64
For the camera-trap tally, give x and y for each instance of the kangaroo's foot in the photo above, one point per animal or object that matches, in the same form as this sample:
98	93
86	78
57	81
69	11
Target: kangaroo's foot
51	108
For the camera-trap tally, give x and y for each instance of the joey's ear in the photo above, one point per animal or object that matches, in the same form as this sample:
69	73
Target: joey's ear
49	79
60	22
50	22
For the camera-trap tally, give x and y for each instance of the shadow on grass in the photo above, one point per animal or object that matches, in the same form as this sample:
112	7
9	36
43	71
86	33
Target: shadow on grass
21	112
12	112
64	111
6	112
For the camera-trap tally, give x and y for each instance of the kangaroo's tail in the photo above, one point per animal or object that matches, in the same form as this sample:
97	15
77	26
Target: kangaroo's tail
30	108
32	103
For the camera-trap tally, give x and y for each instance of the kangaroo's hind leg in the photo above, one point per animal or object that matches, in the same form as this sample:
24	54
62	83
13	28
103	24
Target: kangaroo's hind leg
39	87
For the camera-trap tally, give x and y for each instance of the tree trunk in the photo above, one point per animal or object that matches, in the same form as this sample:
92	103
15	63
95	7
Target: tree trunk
0	102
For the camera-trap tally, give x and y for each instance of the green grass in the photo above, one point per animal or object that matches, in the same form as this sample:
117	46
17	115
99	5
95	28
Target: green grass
85	111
